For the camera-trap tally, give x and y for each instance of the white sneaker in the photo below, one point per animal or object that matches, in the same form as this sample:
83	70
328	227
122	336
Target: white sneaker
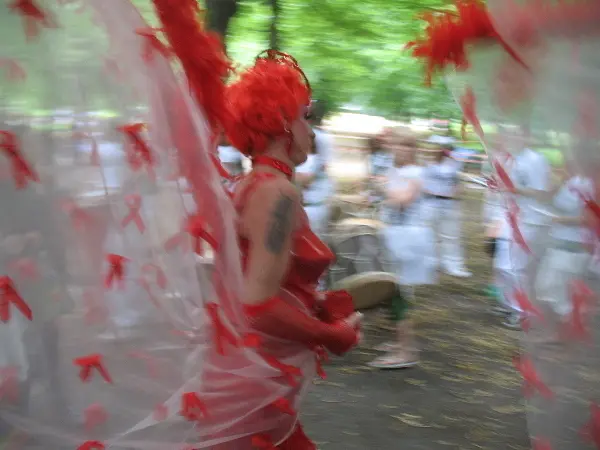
458	272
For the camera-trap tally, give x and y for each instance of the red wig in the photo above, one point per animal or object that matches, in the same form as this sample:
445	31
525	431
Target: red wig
264	101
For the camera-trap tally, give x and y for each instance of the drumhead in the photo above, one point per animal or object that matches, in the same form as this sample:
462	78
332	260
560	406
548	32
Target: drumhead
369	289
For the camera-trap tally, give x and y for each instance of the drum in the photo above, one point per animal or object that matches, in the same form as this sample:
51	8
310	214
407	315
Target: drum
369	289
358	247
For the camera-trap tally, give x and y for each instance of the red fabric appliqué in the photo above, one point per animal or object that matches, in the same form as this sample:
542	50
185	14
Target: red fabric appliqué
89	363
531	380
21	170
9	296
116	270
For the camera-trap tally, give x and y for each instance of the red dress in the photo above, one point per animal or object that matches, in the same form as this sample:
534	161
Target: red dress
310	259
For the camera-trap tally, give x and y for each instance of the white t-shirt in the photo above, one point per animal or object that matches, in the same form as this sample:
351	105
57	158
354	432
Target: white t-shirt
380	163
568	203
528	170
442	178
399	178
322	187
316	164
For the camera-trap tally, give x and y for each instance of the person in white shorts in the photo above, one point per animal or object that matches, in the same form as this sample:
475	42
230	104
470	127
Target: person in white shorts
442	188
514	265
410	243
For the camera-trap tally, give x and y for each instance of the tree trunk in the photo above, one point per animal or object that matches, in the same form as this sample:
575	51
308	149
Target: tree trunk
220	13
274	41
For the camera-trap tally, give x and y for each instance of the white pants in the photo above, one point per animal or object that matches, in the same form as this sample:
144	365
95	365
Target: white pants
557	270
445	217
514	267
412	253
318	217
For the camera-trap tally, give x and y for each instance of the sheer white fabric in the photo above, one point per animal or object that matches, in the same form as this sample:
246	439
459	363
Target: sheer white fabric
99	249
546	104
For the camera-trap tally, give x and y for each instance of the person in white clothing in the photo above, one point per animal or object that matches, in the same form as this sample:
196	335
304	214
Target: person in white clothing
567	256
442	187
515	263
410	243
312	177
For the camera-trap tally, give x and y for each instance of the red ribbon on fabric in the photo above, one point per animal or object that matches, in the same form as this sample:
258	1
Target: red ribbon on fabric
531	379
9	384
468	104
116	270
288	371
91	445
153	44
527	307
540	444
505	179
161	279
9	296
581	303
222	334
160	412
25	268
284	405
321	355
138	152
591	431
96	312
94	415
263	442
197	227
192	408
134	203
148	360
513	221
14	71
33	15
89	363
78	216
21	170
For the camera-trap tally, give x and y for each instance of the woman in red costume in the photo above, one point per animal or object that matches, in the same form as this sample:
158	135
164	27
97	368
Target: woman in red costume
283	259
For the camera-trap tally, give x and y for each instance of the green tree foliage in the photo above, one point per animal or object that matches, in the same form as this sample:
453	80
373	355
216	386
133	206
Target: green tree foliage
353	52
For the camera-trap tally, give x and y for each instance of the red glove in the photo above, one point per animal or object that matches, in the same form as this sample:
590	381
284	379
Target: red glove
338	305
277	318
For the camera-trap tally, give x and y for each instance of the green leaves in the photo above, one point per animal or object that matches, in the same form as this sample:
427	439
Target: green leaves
352	51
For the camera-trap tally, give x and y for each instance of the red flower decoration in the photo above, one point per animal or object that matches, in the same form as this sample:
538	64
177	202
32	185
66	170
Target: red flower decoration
288	371
284	405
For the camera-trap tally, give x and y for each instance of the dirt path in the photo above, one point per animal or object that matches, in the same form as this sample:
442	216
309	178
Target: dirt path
464	395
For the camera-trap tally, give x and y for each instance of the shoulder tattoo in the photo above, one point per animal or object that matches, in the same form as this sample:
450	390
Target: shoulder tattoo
280	224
